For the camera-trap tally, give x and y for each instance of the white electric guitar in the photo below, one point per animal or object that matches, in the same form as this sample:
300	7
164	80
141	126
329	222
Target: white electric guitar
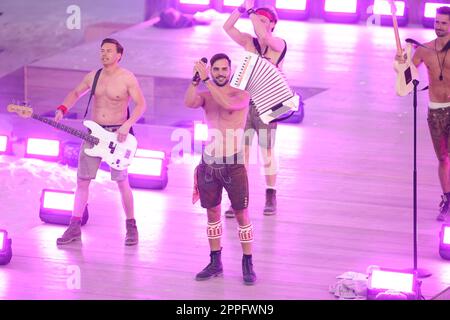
406	72
117	155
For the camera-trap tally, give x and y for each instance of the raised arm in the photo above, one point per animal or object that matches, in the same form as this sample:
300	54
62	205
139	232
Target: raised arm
240	38
236	100
275	43
192	99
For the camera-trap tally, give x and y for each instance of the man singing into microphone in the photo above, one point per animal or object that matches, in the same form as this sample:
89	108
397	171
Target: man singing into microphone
222	164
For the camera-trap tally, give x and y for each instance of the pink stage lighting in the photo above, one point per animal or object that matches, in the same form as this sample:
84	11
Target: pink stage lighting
444	242
4	143
148	170
345	11
2	240
144	153
193	6
429	13
146	167
292	10
291	5
200	131
43	148
383	7
389	284
430	9
56	207
198	2
5	248
341	6
232	3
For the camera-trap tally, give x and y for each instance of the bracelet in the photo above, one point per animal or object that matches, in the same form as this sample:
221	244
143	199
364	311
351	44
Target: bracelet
206	79
250	11
63	109
241	9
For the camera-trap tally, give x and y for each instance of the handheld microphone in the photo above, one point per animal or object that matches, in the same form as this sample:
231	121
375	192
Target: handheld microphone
196	77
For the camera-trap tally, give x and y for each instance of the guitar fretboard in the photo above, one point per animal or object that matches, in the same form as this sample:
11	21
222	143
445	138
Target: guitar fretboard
78	133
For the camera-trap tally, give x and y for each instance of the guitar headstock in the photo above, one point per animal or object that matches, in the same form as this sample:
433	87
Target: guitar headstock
23	111
393	7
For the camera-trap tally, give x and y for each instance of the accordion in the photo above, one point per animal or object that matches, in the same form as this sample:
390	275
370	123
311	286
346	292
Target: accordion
269	90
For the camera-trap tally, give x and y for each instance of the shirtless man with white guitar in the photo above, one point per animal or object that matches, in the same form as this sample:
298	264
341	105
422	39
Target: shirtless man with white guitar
113	91
438	66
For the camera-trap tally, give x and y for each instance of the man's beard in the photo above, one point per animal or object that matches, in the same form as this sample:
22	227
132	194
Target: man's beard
440	33
221	84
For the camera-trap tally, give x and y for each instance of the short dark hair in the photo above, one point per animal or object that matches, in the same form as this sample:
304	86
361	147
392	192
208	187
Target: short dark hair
443	10
220	56
119	47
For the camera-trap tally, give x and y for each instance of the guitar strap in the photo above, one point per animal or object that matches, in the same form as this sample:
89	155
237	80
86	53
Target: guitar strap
417	43
94	85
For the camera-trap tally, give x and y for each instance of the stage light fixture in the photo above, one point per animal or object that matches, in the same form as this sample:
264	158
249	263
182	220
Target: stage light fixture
5	248
345	11
391	284
383	8
4	144
45	149
444	242
57	205
429	13
292	10
148	170
193	6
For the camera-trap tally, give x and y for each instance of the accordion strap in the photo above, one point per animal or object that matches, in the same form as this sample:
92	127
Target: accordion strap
258	49
283	54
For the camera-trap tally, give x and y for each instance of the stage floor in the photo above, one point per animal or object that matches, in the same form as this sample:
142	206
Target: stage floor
344	185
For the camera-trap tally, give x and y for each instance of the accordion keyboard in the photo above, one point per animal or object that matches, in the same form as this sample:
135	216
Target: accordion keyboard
268	87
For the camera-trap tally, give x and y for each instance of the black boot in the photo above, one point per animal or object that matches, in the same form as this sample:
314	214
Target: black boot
247	270
271	202
213	269
132	236
444	207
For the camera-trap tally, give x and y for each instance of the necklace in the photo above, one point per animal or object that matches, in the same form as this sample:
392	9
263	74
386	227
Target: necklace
441	66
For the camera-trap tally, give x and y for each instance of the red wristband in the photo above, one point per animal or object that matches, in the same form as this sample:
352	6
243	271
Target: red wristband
63	109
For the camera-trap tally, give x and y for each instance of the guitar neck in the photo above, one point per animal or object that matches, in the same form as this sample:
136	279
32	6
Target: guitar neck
397	36
75	132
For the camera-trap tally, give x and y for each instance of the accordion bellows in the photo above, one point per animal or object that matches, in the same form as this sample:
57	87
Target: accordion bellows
269	90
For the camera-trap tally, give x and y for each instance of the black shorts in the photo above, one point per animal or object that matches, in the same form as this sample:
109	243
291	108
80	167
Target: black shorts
213	177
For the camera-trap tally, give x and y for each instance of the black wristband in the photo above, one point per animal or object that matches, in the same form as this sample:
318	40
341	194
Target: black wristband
206	79
250	11
241	9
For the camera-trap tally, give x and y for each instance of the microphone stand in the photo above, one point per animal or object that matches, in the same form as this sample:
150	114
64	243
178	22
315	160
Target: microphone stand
421	273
